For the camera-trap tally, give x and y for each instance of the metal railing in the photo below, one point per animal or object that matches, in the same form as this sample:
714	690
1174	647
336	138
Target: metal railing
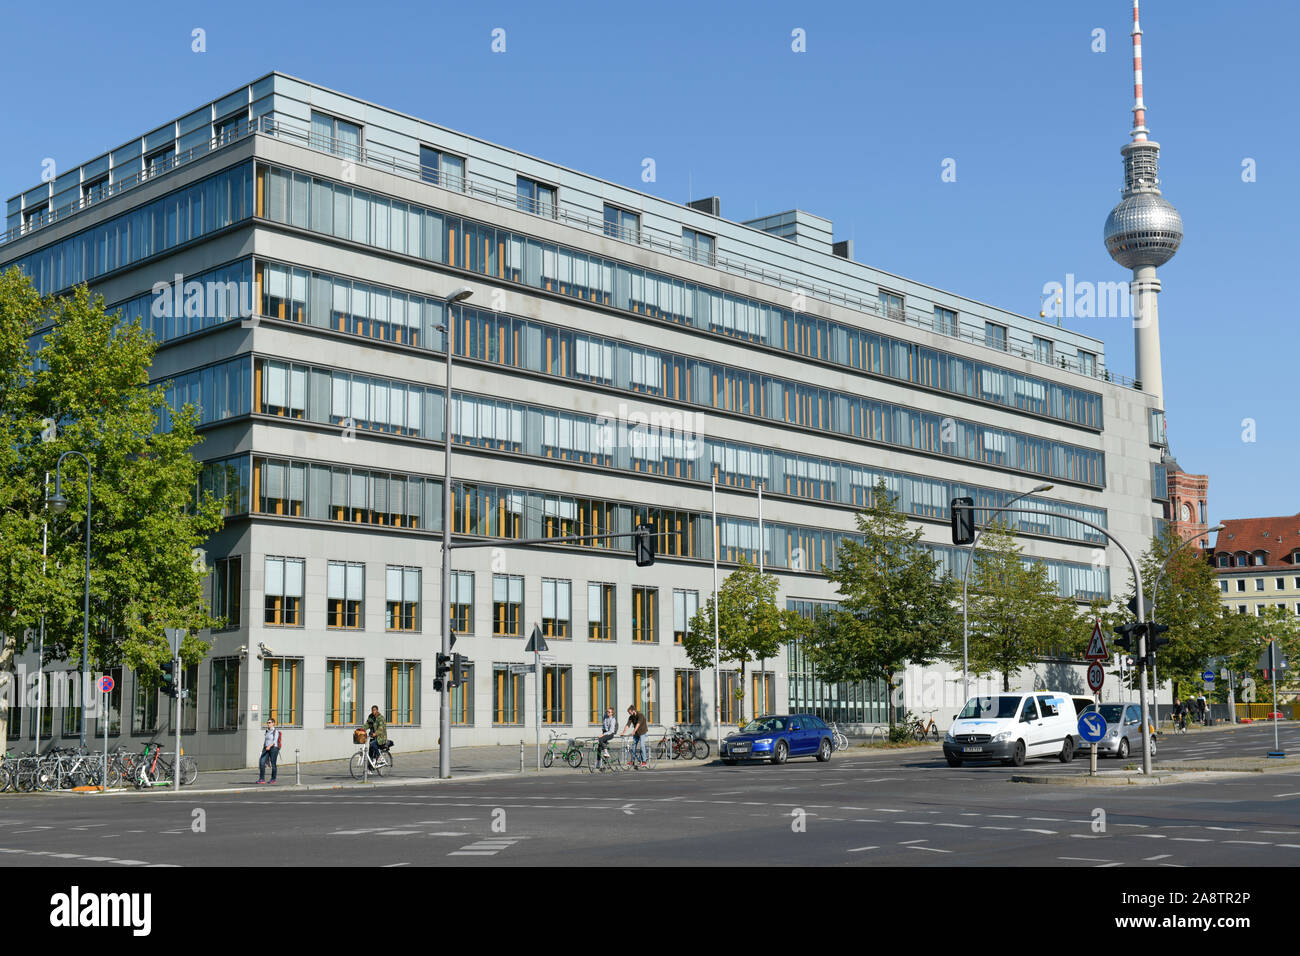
301	134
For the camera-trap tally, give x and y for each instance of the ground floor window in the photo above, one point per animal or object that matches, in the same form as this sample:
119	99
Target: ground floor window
403	693
344	680
686	693
602	692
223	700
462	701
507	696
645	685
557	695
282	690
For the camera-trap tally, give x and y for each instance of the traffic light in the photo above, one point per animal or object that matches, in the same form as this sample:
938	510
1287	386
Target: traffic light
963	520
441	665
1155	640
169	678
1125	639
644	540
459	670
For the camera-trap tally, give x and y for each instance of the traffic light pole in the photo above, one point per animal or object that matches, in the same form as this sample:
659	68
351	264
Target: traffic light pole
176	764
1141	617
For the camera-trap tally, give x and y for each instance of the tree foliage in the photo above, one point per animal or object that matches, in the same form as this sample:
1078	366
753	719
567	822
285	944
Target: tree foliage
751	626
1016	611
88	374
894	608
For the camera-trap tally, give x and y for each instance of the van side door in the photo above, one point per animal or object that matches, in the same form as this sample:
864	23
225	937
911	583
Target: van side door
1031	726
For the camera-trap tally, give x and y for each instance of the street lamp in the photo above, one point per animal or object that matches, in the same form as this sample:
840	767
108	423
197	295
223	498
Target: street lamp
58	503
1155	683
965	588
459	294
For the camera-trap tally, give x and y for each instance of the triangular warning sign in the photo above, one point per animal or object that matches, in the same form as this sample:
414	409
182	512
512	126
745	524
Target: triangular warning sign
1096	646
536	643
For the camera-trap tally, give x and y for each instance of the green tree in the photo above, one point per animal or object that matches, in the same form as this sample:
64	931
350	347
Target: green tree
894	606
751	626
1250	635
1016	611
89	376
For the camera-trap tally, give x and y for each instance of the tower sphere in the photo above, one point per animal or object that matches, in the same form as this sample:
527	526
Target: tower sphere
1143	230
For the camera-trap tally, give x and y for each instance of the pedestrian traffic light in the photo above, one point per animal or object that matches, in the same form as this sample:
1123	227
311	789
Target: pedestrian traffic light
169	678
442	663
644	541
963	520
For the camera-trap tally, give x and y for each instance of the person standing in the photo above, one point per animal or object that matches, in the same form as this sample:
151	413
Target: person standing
637	722
271	741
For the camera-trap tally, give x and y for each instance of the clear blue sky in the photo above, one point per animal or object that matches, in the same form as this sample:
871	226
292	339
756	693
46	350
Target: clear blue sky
854	129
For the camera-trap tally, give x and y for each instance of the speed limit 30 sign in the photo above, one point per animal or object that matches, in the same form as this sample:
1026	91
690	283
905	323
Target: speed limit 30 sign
1096	677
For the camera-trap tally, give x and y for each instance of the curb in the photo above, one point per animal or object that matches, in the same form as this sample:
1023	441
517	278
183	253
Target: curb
1123	779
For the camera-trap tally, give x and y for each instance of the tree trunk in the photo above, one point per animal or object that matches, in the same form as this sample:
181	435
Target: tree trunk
9	690
889	698
740	703
1006	681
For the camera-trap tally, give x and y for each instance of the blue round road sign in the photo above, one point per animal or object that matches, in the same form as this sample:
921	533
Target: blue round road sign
1092	726
1208	677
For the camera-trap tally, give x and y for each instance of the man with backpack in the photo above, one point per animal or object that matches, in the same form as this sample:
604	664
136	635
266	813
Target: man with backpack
271	742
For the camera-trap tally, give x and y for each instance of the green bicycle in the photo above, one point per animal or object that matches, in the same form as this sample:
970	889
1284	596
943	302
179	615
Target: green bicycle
566	750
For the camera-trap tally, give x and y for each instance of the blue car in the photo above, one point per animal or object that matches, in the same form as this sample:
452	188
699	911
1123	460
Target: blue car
778	738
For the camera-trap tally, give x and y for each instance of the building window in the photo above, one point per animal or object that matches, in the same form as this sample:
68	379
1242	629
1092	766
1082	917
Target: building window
1239	560
1241	609
402	593
346	593
282	690
698	246
685	606
995	336
557	695
344	682
1202	512
602	688
599	613
1241	584
159	160
687	696
144	715
728	682
94	189
891	304
1259	558
645	685
945	320
1297	584
507	605
402	694
34	214
12	699
535	197
556	610
72	706
284	592
227	591
442	169
223	697
1043	350
462	701
622	224
645	615
763	694
283	390
1088	363
46	713
462	602
335	135
1280	583
507	696
190	702
1259	584
225	130
1223	586
1223	560
114	705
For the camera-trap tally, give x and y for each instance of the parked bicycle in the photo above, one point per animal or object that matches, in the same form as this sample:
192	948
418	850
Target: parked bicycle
363	764
629	759
153	769
838	741
923	730
569	751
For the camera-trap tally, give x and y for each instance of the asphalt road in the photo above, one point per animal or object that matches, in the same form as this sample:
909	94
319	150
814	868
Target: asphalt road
894	807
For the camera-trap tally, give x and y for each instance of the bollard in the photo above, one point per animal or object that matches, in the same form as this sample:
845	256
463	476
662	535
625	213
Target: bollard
297	768
521	756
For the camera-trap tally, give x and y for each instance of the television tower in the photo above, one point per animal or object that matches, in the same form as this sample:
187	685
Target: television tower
1143	232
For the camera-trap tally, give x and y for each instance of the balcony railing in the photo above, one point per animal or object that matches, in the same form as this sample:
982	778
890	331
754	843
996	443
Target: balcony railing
302	135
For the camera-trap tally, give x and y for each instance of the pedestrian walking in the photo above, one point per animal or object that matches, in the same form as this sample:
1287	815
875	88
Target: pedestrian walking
272	740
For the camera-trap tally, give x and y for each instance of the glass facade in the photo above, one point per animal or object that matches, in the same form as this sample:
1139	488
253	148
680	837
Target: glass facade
863	702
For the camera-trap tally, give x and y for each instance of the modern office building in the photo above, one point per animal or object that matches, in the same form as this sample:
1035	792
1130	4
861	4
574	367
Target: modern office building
291	247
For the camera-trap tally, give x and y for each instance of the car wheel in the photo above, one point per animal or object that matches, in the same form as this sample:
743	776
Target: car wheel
824	750
780	752
1123	748
1018	758
953	761
1067	751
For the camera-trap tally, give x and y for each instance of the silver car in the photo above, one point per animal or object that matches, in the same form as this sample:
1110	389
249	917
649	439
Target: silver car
1123	736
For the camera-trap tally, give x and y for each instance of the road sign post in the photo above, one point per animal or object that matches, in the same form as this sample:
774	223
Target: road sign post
537	644
1092	728
105	687
1271	660
175	635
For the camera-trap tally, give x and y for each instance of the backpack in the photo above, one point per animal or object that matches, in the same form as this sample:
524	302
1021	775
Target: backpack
279	739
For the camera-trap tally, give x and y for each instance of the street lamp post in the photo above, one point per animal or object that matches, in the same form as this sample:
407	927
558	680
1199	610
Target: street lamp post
444	695
1155	683
59	504
965	587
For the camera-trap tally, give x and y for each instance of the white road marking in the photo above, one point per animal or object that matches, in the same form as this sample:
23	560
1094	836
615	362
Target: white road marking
1192	839
1032	830
1250	842
906	842
1161	856
388	866
859	849
1083	859
932	849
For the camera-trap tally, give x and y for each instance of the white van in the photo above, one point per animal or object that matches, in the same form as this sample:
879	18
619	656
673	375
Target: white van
1012	727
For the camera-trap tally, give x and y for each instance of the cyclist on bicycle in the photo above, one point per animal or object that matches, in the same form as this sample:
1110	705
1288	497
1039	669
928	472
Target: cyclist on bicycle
636	720
377	730
608	728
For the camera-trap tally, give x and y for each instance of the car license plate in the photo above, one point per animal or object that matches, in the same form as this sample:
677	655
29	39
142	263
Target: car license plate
972	750
739	748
